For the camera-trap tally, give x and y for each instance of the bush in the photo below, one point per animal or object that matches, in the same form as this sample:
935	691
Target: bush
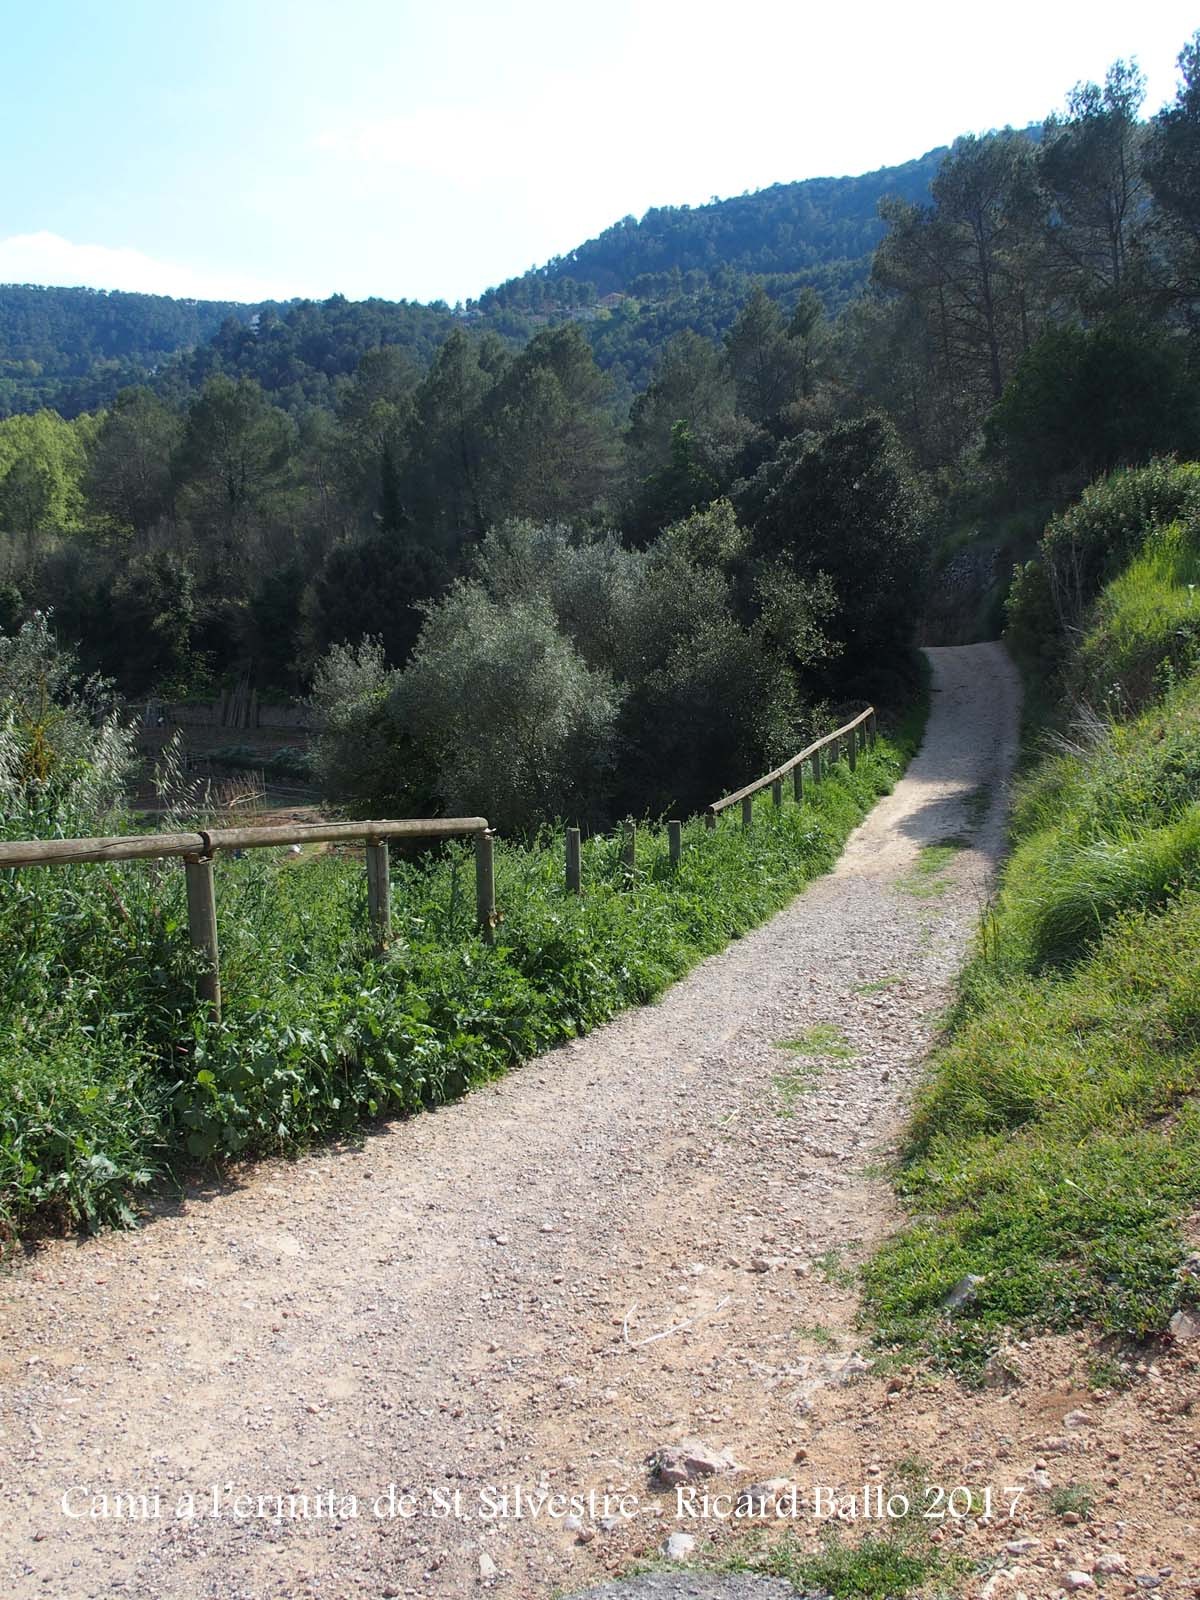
1095	539
505	713
361	758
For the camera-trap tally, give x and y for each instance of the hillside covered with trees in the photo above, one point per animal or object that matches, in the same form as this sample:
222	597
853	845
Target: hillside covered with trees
73	349
679	526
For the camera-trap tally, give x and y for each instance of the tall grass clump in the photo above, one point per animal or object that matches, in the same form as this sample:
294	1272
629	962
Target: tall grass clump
112	1072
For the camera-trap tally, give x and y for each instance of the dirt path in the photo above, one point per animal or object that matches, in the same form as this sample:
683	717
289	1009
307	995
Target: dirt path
639	1237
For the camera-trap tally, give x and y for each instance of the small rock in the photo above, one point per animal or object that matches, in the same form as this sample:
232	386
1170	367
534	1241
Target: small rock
1077	1419
1110	1564
964	1293
690	1460
1079	1580
1184	1325
585	1536
761	1497
679	1546
1021	1547
853	1367
487	1567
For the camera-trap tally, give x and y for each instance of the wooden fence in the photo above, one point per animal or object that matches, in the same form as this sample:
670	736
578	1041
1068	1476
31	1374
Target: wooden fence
199	850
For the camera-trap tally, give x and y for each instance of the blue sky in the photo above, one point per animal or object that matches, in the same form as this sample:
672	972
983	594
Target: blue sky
255	149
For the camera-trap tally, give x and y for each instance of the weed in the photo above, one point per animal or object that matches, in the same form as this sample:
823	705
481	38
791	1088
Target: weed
1103	1372
925	881
823	1040
879	985
1073	1499
833	1270
880	1567
813	1333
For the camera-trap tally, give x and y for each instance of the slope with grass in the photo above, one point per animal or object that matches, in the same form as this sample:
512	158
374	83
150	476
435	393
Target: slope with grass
1054	1158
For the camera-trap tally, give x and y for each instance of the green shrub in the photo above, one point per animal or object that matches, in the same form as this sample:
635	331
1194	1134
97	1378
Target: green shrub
1094	539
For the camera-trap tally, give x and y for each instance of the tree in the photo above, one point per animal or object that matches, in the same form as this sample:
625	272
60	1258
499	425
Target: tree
506	716
551	443
234	456
375	413
1090	165
691	384
1172	169
967	264
847	505
129	474
1083	401
362	755
441	483
42	462
372	584
765	363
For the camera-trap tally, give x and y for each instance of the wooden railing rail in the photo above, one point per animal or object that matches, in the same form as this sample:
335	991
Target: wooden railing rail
856	735
199	849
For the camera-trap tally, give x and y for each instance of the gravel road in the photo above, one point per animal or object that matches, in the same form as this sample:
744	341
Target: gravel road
333	1377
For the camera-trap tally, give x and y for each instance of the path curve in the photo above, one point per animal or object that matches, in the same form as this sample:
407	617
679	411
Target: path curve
620	1245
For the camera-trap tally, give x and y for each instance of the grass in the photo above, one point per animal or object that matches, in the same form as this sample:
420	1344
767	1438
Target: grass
879	985
880	1567
111	1074
823	1040
814	1334
1054	1150
925	882
1073	1499
896	1561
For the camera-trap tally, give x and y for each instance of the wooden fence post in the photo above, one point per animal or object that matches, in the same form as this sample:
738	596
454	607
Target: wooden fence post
777	792
629	847
710	821
379	893
852	749
202	928
675	841
747	811
872	730
485	885
574	867
816	766
798	780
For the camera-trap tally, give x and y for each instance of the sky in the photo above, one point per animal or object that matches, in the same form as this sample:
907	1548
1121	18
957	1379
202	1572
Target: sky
265	149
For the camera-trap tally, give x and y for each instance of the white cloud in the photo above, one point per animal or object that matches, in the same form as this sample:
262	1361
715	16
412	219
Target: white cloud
48	258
